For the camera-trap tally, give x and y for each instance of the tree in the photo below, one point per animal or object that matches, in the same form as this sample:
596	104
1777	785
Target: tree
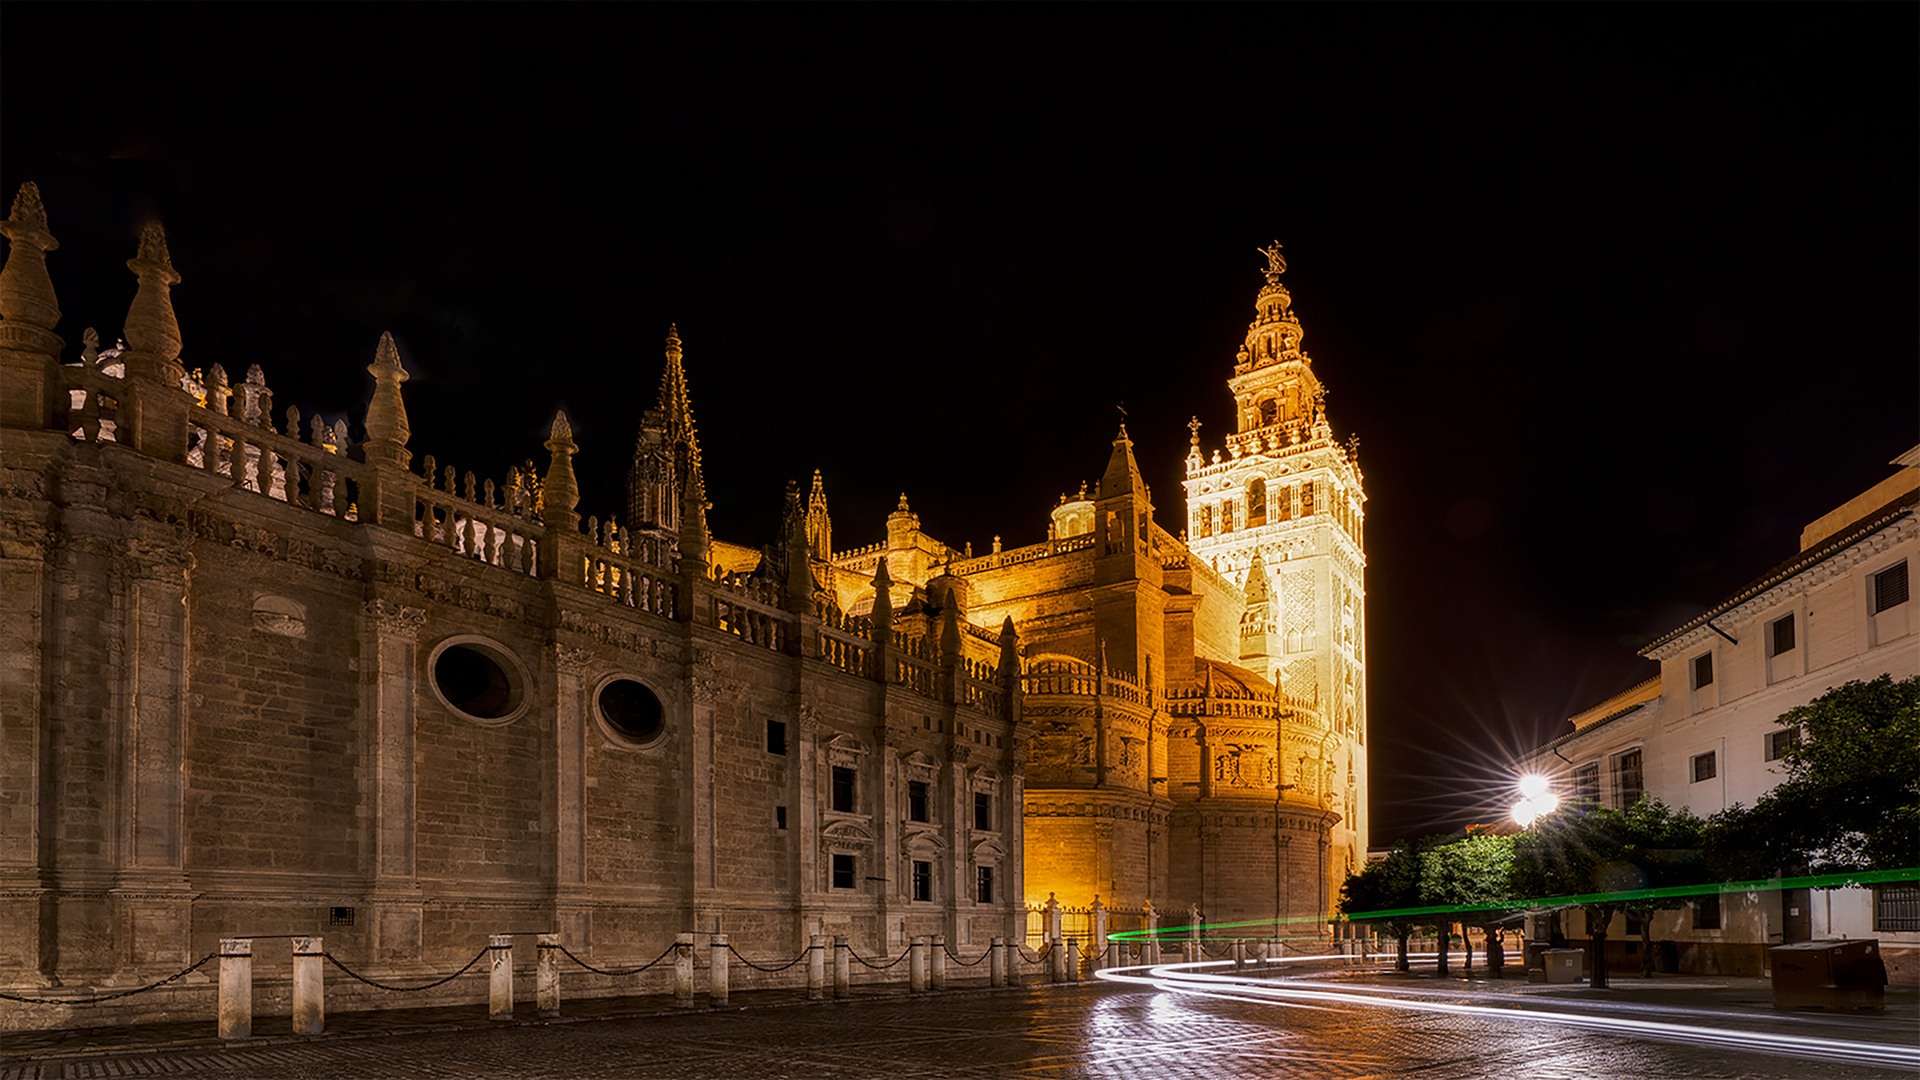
1391	884
1851	798
1473	872
1577	852
1664	846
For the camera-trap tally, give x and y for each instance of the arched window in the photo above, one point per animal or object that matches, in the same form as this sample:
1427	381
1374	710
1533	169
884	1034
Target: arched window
1268	411
1257	502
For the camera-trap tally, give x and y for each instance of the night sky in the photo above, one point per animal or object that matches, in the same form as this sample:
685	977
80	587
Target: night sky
1616	298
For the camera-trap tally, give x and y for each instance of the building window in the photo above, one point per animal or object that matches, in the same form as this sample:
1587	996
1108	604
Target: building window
922	880
1257	503
983	884
1284	509
1226	516
1706	912
1896	908
340	916
843	871
1306	499
776	736
843	789
1629	777
983	811
1704	767
779	817
917	801
1586	782
1703	670
1890	587
1780	635
1206	520
1779	741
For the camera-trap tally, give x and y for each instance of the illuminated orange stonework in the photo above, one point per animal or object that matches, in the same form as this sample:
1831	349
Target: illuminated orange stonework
1162	762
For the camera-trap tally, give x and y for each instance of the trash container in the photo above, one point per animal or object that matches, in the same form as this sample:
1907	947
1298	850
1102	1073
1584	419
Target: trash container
1666	957
1828	975
1563	965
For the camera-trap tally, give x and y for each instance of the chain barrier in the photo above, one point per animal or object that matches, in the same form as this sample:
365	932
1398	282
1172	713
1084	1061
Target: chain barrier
955	957
352	974
880	967
757	967
197	964
1224	949
1034	958
615	974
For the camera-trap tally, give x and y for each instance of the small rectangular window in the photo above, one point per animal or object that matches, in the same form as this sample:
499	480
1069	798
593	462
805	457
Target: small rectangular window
776	736
917	801
1706	912
922	880
843	871
1890	587
983	884
1702	670
1306	499
340	916
1779	741
843	789
1704	767
1586	782
779	817
1629	777
1226	516
1781	633
983	811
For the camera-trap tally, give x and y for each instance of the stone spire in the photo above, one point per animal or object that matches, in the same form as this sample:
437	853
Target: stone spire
1259	633
1123	472
28	308
819	525
387	427
677	408
559	492
1275	334
153	334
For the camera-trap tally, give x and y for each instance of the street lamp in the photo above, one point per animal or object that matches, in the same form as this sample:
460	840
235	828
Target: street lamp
1536	799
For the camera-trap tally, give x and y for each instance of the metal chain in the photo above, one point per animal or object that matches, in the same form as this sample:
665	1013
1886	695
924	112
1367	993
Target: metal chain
109	997
615	974
757	967
955	957
352	974
878	967
1033	958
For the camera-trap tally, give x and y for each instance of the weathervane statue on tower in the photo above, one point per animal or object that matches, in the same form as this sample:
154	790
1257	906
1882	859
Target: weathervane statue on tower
1275	264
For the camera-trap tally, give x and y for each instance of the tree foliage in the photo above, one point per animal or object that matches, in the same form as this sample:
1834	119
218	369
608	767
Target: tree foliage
1391	884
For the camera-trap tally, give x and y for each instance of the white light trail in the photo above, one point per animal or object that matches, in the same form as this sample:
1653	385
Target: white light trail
1192	979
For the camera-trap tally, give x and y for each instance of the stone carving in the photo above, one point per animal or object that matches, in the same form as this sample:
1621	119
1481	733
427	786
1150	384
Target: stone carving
572	659
1244	766
395	619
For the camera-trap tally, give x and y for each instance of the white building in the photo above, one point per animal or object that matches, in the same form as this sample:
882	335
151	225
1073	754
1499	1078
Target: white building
1702	735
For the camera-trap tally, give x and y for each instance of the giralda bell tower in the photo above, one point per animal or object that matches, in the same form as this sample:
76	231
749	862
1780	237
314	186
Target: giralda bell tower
1282	501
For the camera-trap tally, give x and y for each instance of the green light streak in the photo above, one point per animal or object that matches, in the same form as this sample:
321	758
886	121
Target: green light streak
1816	881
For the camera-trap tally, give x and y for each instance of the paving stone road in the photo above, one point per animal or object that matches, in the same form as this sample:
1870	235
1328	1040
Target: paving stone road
1084	1031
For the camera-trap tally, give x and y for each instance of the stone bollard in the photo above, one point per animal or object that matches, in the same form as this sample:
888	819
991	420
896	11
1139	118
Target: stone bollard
683	971
1190	952
1239	954
236	988
937	971
997	962
1011	946
1260	951
500	979
1150	951
547	975
1057	962
309	986
816	967
1073	960
717	974
917	964
842	967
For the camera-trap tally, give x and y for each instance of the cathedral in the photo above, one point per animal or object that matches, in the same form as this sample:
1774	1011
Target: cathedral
273	674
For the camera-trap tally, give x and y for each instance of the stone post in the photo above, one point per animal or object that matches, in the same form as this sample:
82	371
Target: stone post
1053	919
1239	955
1011	948
236	988
683	970
547	975
1073	960
997	962
842	967
1057	961
917	964
309	986
937	973
1190	952
500	978
717	972
817	967
1098	946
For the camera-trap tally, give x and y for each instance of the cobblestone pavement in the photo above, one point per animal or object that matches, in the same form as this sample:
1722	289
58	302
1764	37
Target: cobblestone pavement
1092	1030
